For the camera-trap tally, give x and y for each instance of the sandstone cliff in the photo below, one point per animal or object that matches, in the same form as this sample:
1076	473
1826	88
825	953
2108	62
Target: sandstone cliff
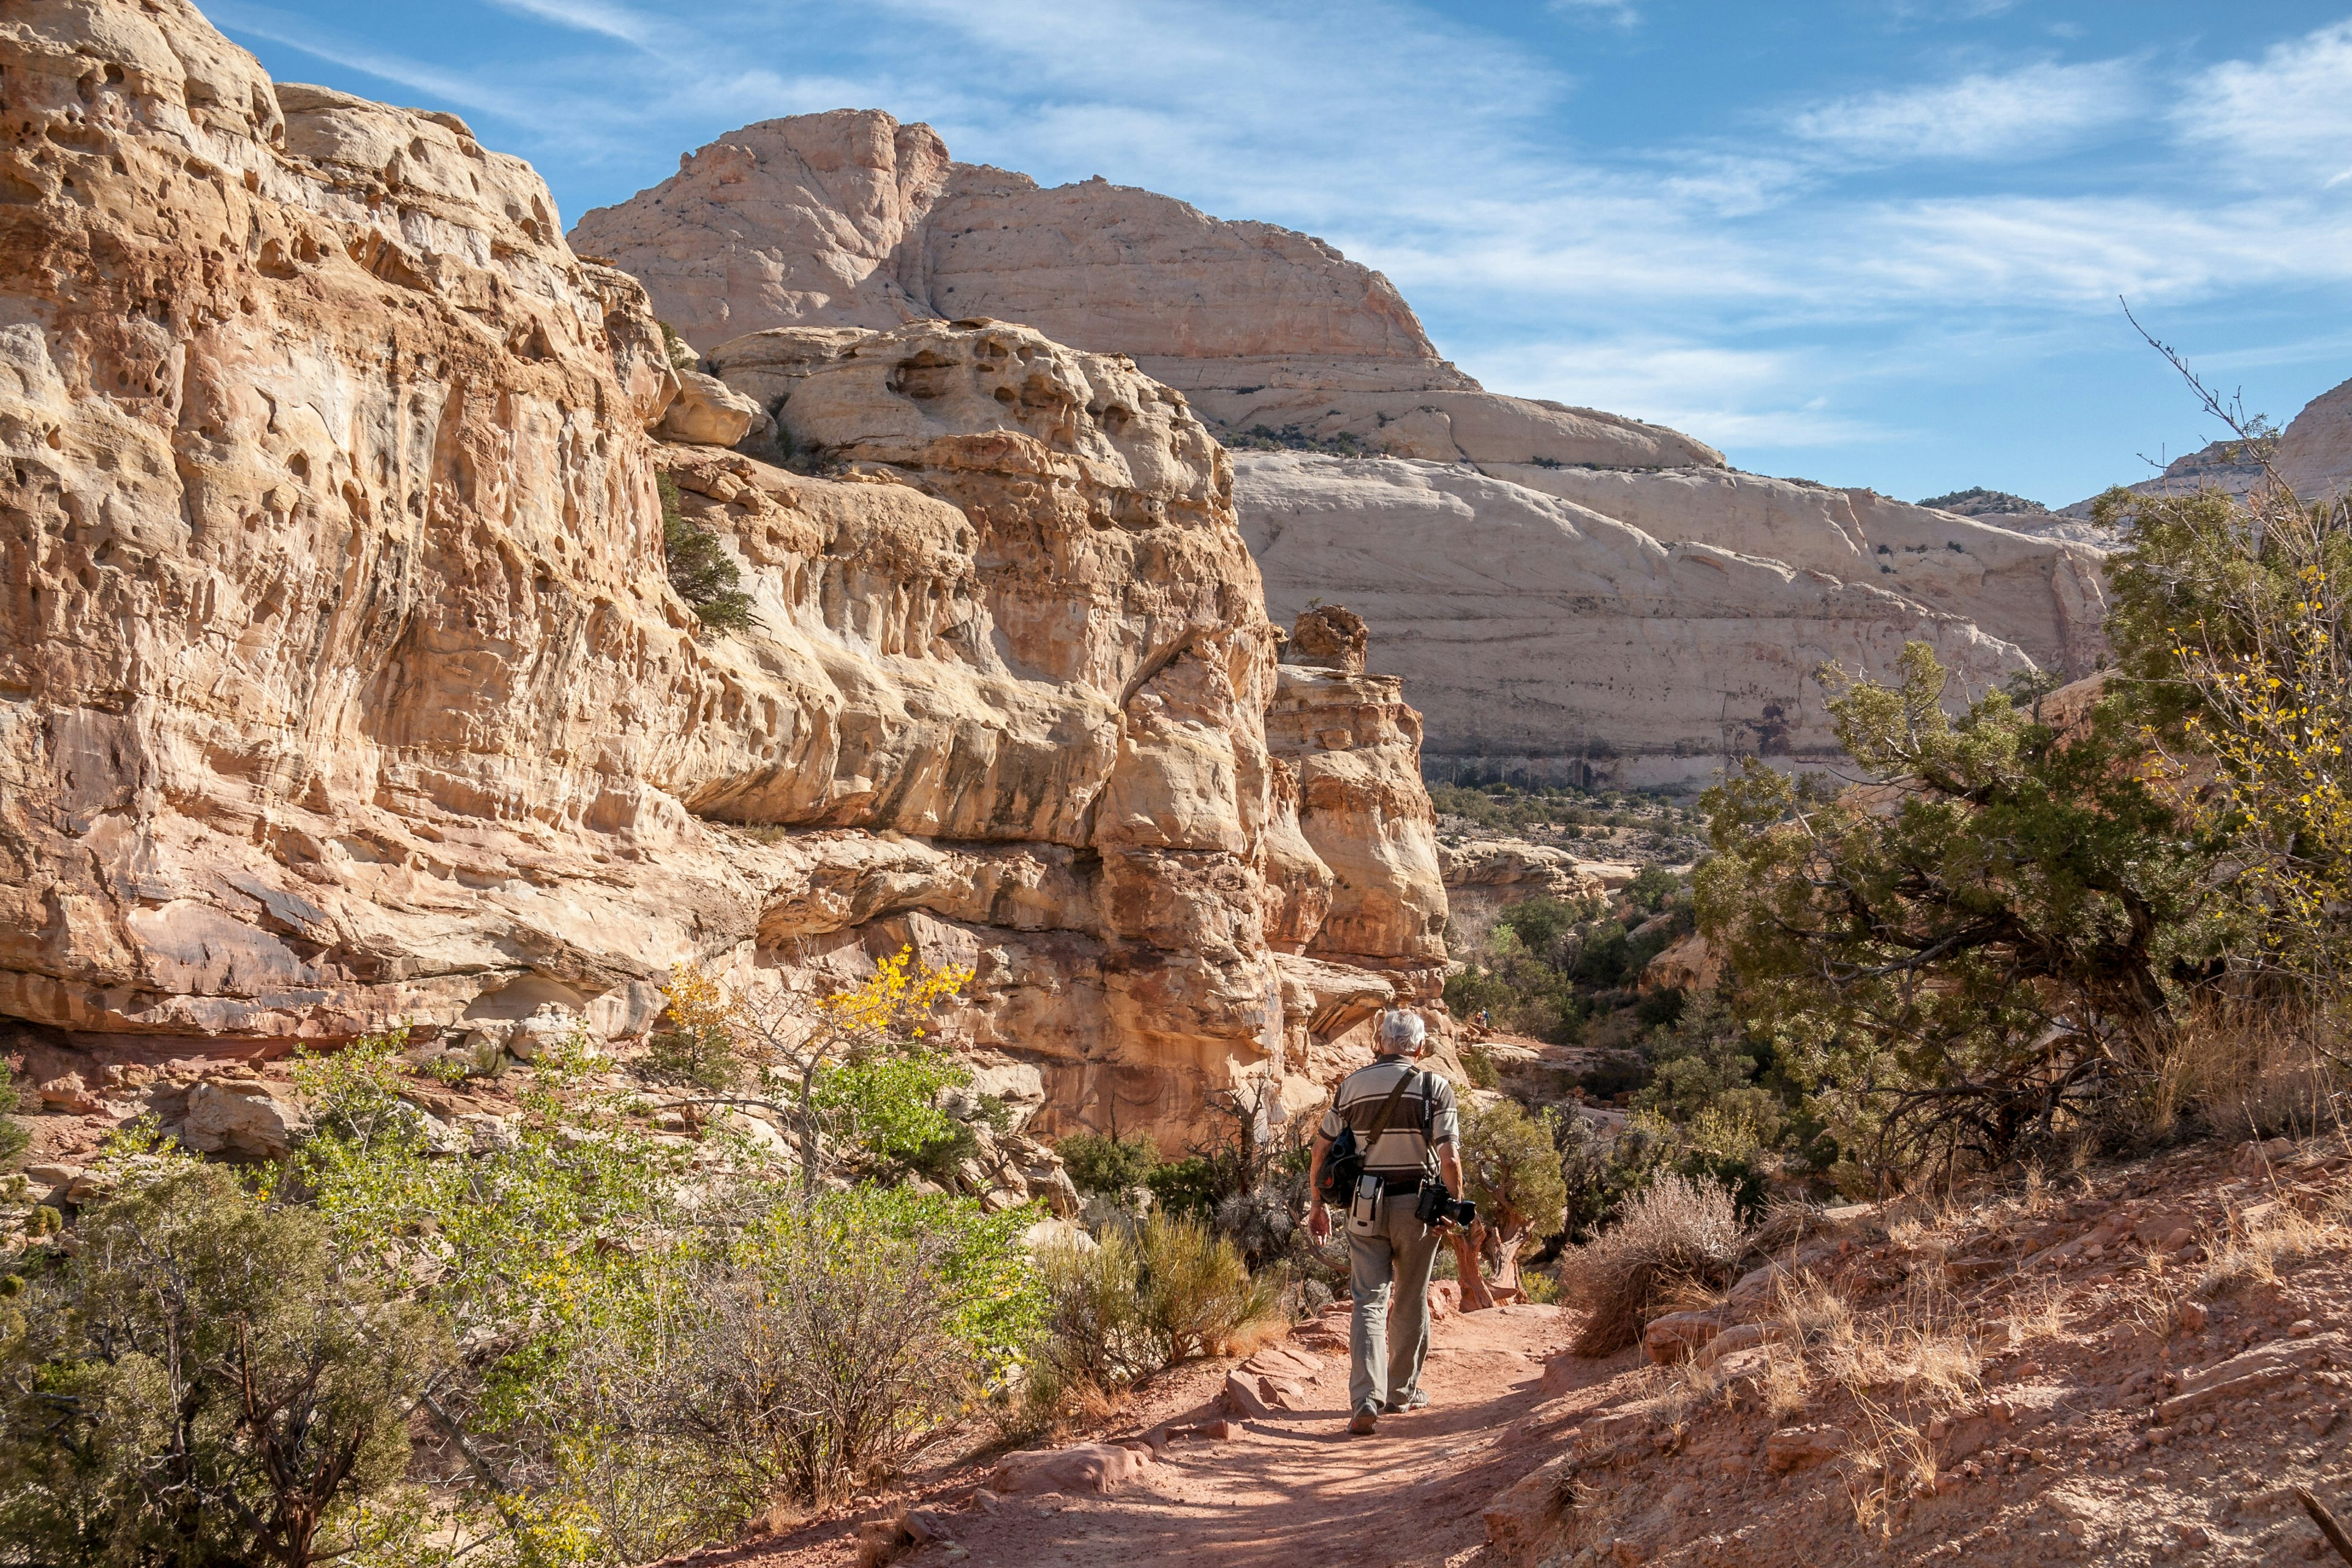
1617	672
343	682
1541	635
852	219
2314	453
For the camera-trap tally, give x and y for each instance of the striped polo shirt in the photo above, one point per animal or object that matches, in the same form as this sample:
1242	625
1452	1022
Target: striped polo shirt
1424	1116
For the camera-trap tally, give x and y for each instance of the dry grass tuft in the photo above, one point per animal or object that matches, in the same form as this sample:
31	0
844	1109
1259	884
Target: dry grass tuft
1675	1234
1786	1385
1785	1223
1917	1352
2258	1071
2251	1256
1896	1463
2037	1310
1811	1306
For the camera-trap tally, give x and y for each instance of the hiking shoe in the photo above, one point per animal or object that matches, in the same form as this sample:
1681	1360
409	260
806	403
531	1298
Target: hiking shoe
1418	1399
1366	1420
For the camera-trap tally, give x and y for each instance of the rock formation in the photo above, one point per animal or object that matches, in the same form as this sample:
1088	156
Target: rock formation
1617	673
2314	451
344	684
852	219
2313	457
1539	634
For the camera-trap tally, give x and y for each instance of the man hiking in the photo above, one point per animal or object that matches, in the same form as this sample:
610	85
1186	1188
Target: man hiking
1405	1123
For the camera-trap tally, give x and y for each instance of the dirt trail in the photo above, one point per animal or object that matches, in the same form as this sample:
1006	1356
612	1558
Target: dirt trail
2136	1371
1296	1488
1290	1488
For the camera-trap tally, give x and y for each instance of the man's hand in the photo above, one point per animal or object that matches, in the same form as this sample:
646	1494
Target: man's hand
1318	1222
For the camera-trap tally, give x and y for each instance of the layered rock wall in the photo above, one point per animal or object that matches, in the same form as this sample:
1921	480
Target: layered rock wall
1539	635
341	682
1567	660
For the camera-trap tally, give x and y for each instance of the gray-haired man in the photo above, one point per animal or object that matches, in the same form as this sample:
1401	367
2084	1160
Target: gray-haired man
1388	1340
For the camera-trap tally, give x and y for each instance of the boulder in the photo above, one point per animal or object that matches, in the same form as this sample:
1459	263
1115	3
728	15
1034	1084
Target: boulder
1057	1232
241	1116
1243	1397
708	413
1677	1335
2256	1159
57	1181
1738	1337
1087	1467
1524	1519
68	1094
1801	1448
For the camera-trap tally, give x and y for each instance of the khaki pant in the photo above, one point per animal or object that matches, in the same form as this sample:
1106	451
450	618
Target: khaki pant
1400	1254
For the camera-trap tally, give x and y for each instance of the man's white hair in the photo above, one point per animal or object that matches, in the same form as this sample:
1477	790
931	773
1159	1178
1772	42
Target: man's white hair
1401	1031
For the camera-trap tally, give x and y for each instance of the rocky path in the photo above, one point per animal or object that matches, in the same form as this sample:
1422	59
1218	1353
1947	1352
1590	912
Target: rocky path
2136	1368
1289	1487
1295	1486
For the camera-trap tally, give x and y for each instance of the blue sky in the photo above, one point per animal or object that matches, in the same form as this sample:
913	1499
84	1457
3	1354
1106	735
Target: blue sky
1870	242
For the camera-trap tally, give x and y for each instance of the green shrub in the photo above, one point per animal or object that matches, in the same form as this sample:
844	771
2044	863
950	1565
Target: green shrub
1480	1068
704	1054
830	1342
13	1138
1095	1338
1196	1293
1098	1164
1511	1169
1951	967
201	1382
888	1102
1138	1301
1542	923
1190	1186
665	1347
701	570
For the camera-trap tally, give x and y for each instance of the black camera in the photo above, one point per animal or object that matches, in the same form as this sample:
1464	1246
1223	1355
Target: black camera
1436	1207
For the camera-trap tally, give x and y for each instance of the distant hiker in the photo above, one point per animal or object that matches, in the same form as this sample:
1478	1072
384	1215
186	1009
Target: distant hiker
1399	1125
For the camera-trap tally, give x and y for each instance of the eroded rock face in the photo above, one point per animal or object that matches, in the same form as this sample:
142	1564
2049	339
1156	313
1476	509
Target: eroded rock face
343	682
1104	546
851	219
1485	876
2048	598
2314	451
1354	746
1541	635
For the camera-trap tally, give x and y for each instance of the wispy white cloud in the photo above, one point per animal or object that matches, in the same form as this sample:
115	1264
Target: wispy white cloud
2283	120
299	32
611	21
1448	156
1754	396
1618	13
2031	112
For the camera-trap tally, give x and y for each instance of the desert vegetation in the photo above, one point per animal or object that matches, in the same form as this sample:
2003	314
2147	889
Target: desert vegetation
701	570
2023	929
573	1339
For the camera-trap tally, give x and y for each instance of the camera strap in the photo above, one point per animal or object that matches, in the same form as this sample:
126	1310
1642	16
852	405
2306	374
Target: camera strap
1388	1109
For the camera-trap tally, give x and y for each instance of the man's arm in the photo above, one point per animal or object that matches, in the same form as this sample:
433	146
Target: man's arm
1449	1168
1319	1218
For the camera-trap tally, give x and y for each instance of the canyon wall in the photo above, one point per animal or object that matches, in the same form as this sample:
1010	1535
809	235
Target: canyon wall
1657	611
341	682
